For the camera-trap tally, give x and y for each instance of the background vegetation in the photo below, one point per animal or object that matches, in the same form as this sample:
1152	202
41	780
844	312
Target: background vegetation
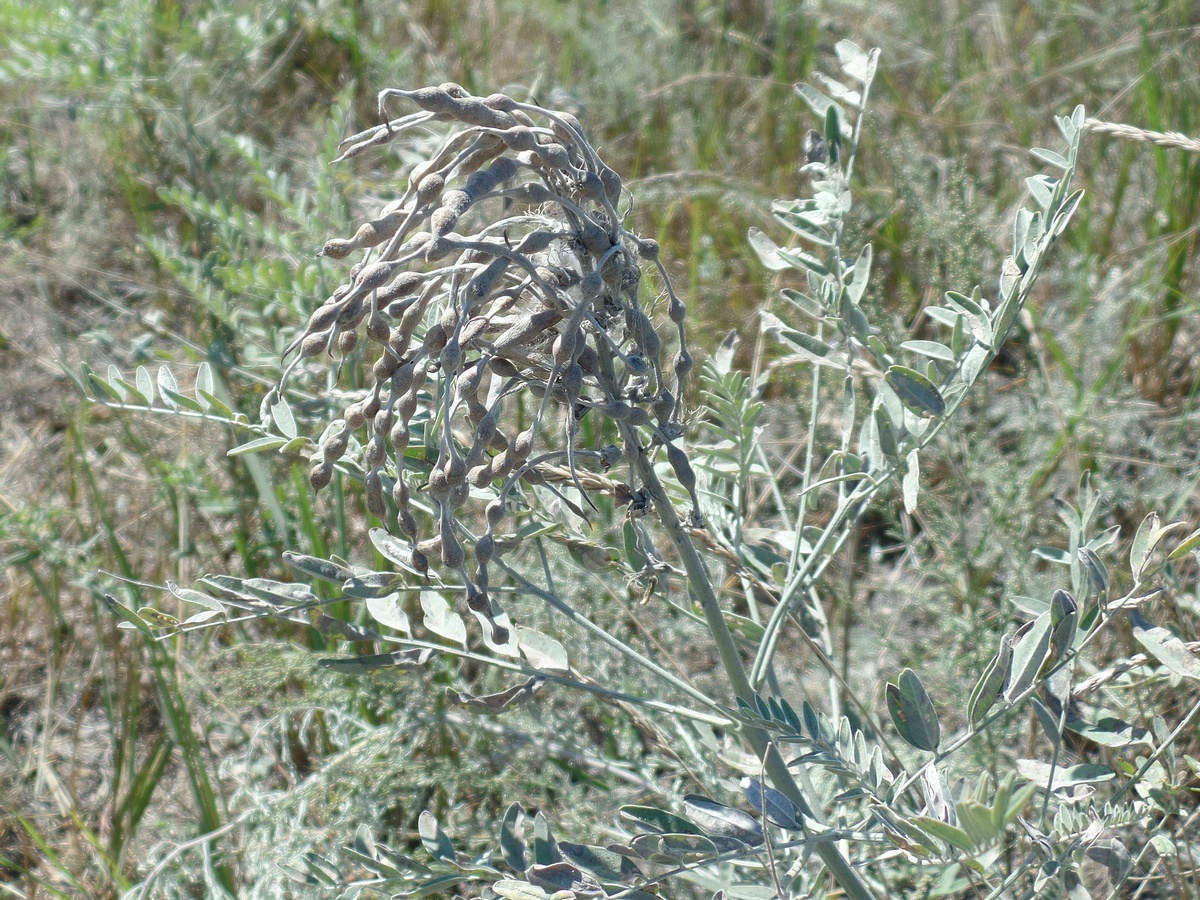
164	189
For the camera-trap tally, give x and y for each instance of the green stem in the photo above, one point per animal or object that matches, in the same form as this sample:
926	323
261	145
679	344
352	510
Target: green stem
758	739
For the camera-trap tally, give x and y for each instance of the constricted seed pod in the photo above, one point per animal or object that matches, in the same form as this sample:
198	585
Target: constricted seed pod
322	317
435	339
419	561
374	487
430	188
439	485
494	513
320	475
354	416
335	448
347	341
337	248
452	551
384	367
683	469
481	578
683	364
313	344
376	452
485	549
477	600
399	437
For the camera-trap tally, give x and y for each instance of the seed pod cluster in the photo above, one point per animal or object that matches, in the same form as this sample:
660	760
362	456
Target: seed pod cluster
495	304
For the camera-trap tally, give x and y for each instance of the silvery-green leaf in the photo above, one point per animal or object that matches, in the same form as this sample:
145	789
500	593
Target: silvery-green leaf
721	821
204	383
441	619
168	386
1028	655
1165	647
513	845
990	686
386	611
145	385
780	810
542	651
189	596
282	414
258	445
1064	776
912	711
916	391
322	569
437	843
117	383
932	349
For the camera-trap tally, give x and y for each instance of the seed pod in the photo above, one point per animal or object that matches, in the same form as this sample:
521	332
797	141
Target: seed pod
402	379
451	357
519	138
374	486
532	192
485	549
382	421
663	406
591	287
481	578
477	600
337	248
473	329
350	312
347	341
501	102
588	360
419	560
442	222
430	188
384	367
612	184
638	417
354	416
313	344
399	437
683	364
439	485
452	551
494	513
523	445
677	311
435	339
564	346
377	329
405	284
592	188
407	405
430	546
376	452
370	405
479	476
683	469
572	381
503	367
459	494
335	448
320	475
322	317
526	330
374	275
647	248
595	238
400	494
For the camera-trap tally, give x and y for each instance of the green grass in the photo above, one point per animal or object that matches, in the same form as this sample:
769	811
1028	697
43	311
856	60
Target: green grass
163	194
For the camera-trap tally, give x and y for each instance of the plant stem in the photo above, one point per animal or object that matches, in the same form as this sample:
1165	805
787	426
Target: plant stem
758	739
